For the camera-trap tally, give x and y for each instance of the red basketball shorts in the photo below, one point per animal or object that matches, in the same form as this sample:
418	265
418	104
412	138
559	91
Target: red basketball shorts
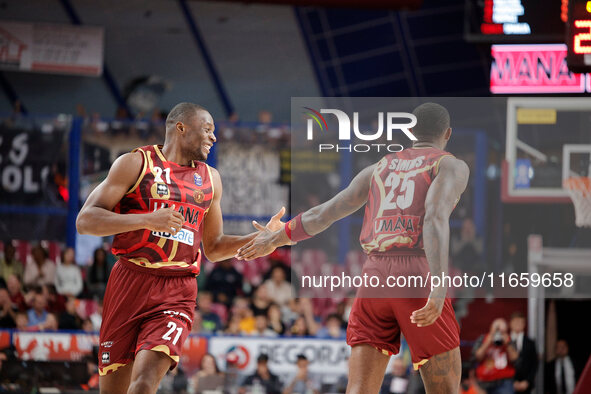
144	310
379	322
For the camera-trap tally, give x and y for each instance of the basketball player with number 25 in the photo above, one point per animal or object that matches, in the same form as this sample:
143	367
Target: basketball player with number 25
161	203
420	187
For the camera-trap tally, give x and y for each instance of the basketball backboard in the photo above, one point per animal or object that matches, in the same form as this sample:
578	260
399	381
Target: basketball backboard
548	140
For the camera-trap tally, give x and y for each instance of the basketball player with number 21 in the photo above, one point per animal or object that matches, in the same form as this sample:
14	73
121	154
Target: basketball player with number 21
419	186
161	203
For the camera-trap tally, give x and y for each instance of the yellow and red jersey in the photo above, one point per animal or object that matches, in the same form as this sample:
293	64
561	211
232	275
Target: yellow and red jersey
164	184
395	207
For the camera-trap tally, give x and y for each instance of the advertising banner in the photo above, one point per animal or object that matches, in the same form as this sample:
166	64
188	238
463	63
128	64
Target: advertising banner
51	48
326	356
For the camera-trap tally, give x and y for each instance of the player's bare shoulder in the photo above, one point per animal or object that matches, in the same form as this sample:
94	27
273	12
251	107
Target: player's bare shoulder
454	170
216	181
127	167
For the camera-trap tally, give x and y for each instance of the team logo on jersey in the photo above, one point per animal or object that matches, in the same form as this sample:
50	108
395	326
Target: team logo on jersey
160	190
106	357
199	196
197	179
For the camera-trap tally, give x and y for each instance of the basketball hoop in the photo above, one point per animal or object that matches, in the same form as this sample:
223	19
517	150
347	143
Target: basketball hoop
579	189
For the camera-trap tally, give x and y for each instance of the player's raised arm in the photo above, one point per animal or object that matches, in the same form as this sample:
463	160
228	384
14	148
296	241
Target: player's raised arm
443	194
218	246
313	221
97	217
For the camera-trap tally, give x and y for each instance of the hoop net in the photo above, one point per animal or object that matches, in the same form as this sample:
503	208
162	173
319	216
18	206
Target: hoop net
579	189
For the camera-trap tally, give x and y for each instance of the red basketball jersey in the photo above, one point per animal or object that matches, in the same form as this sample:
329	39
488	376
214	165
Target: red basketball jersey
163	184
396	204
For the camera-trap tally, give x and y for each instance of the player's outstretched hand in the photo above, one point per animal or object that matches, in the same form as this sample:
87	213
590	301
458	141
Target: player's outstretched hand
261	245
274	224
166	220
428	314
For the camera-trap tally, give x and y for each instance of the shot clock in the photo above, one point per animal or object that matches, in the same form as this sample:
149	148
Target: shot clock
578	36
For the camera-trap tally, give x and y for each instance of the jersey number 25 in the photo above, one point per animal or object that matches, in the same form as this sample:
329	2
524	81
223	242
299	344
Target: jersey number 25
401	193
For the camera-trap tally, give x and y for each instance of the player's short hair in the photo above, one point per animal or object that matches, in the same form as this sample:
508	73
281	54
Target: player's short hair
182	112
432	121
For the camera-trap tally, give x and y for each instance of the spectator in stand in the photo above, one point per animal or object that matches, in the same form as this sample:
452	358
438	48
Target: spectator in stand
224	282
98	274
262	378
40	271
68	278
97	316
303	382
241	311
261	326
233	326
260	300
197	326
69	319
9	265
7	310
274	318
50	323
333	328
396	382
526	364
467	248
496	356
87	326
560	371
38	313
305	323
299	328
278	286
175	381
210	321
22	321
291	311
340	384
468	384
209	376
56	303
92	372
344	307
13	285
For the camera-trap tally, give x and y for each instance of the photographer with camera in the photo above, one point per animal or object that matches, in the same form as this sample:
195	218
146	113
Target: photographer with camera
495	355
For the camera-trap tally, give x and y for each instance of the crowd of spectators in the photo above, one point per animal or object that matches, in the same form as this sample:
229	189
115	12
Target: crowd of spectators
45	295
505	361
42	294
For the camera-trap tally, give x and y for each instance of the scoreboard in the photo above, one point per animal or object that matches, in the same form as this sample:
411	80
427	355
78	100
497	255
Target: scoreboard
515	21
578	36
